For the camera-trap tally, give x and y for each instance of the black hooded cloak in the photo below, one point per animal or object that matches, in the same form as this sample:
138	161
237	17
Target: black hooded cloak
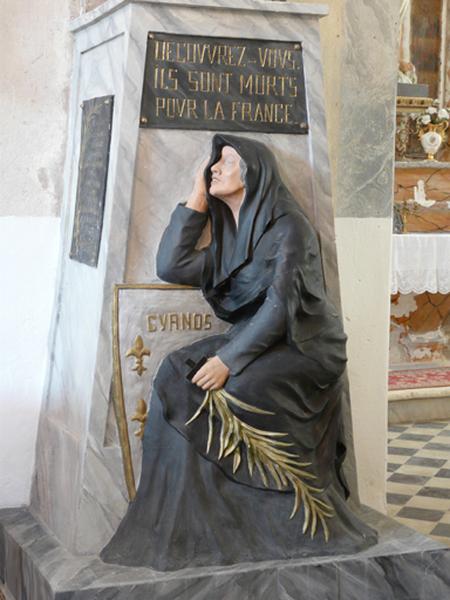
286	354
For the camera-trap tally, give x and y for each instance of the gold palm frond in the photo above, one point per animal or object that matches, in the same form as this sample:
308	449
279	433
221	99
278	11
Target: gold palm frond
266	452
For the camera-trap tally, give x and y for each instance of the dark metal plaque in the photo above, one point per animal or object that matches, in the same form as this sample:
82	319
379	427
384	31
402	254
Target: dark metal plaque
92	177
223	84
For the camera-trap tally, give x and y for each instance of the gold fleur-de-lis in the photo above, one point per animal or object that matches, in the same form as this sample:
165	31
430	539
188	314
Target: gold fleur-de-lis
141	417
139	352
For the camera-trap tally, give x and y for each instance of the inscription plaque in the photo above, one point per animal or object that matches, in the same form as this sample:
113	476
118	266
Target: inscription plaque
223	84
92	178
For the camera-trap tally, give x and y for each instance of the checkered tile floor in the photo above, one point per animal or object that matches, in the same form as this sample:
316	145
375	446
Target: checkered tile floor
418	479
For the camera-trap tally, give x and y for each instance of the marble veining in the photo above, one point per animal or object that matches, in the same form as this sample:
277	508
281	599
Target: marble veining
79	490
367	110
262	6
404	565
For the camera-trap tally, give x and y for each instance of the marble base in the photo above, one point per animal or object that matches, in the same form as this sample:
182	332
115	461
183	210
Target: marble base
419	410
404	565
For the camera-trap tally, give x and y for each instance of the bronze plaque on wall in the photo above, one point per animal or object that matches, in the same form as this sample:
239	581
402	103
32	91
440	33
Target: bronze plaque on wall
224	84
92	177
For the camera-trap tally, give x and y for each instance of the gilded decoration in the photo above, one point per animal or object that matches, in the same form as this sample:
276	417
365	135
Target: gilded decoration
265	451
141	417
118	387
139	352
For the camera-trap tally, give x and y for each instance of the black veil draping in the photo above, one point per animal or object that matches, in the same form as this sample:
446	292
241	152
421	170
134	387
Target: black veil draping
286	353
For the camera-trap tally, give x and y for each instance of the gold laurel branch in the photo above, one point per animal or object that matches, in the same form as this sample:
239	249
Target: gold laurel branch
266	453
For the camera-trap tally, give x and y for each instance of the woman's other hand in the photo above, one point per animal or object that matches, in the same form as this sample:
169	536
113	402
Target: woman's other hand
197	199
213	374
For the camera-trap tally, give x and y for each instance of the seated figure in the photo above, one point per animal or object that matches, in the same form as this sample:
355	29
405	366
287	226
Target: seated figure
243	447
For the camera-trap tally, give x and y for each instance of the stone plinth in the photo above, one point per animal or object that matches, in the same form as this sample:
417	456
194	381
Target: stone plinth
79	490
404	565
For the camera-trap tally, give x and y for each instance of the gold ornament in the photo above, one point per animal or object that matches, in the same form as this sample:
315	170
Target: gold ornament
266	452
139	351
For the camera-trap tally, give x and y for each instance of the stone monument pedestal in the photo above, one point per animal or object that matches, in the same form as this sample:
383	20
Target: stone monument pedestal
404	565
79	496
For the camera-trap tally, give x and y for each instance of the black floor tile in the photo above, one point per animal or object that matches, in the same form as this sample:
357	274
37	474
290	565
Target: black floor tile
435	492
443	473
444	433
402	451
442	529
436	446
397	499
392	467
397	428
415	437
418	461
409	479
420	514
434	425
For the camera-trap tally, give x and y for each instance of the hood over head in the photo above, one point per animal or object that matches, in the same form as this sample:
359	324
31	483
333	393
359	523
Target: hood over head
266	198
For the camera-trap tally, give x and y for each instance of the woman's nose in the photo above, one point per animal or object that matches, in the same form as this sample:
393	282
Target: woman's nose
215	168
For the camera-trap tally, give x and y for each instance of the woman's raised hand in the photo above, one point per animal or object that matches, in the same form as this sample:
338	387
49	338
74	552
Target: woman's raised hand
197	199
213	374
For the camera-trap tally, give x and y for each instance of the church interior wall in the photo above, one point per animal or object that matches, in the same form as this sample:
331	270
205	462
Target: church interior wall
360	80
34	79
37	79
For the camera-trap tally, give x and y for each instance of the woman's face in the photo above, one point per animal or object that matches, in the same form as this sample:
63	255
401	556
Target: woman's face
226	178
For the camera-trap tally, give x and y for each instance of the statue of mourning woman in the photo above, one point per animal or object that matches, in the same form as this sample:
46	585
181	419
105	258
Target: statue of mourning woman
243	447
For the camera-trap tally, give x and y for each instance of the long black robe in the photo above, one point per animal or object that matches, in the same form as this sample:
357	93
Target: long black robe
286	354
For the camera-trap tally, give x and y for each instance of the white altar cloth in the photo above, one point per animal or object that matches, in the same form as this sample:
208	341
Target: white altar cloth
420	263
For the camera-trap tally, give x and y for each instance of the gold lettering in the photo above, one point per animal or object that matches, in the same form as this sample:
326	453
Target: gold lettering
173	321
276	58
218	113
263	56
241	55
258	113
286	113
165	79
221	54
246	84
259	85
202	51
211	54
172	76
151	327
268	113
246	111
186	321
205	110
207	82
159	55
160	105
191	108
261	112
176	108
169	51
192	82
179	58
293	87
163	321
267	85
198	322
271	85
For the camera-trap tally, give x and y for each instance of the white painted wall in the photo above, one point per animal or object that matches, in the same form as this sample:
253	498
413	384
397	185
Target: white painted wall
36	48
28	259
364	268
